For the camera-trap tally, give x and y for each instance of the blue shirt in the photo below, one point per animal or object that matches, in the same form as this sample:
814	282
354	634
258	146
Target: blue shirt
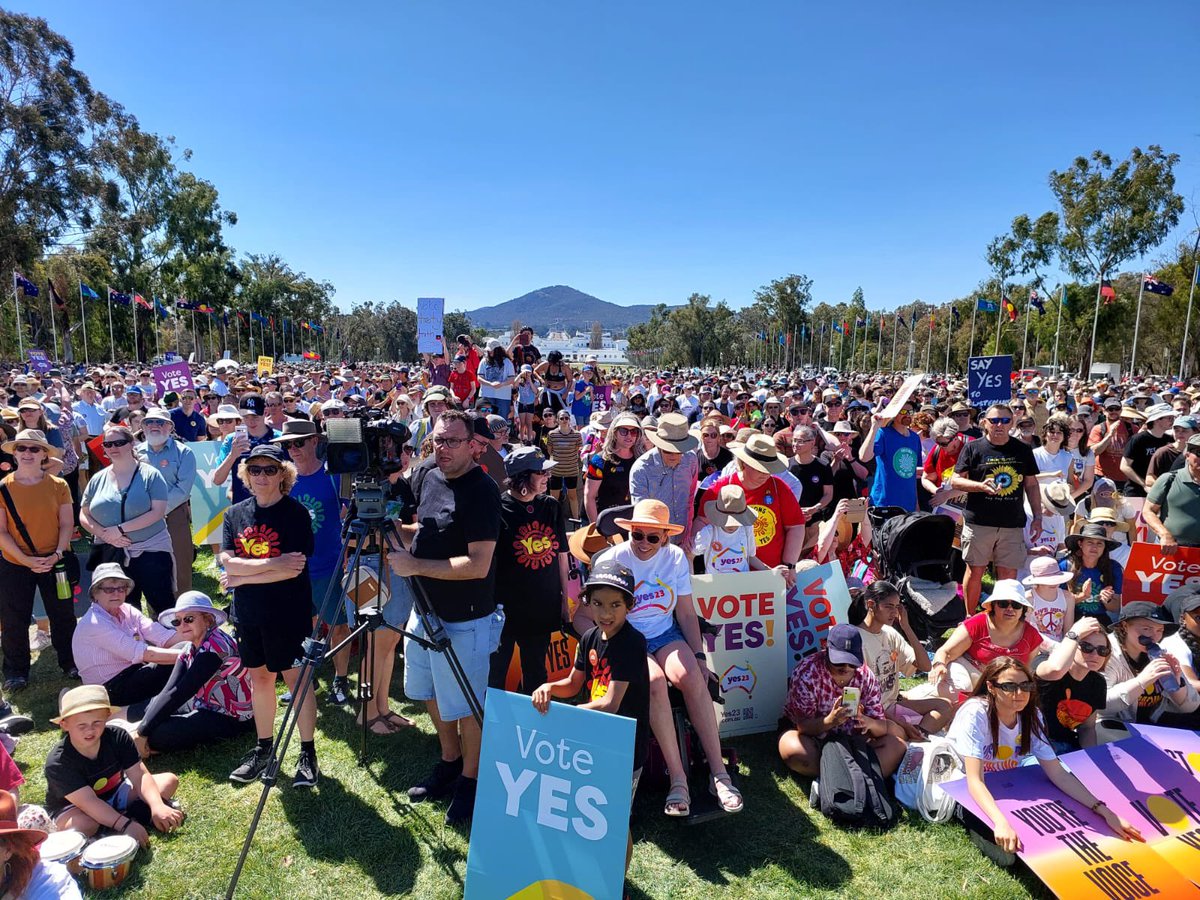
581	409
176	464
896	460
189	428
1092	606
102	497
318	493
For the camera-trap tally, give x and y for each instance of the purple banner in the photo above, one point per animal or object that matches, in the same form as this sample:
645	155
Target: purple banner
176	376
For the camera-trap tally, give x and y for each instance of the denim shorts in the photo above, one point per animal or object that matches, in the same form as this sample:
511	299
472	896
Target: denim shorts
400	600
653	645
427	674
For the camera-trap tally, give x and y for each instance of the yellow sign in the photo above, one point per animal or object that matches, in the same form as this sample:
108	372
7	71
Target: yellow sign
266	365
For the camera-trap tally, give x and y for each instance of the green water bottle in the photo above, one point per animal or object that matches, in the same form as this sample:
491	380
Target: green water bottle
62	584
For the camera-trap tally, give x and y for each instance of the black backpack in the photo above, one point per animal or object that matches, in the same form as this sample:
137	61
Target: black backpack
853	792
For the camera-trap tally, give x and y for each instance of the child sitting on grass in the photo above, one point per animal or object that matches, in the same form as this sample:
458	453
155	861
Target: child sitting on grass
611	661
96	779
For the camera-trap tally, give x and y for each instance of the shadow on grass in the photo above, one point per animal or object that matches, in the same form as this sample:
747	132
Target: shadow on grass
770	831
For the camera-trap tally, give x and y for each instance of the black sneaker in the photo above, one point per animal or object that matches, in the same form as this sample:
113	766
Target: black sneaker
462	807
440	782
307	770
339	691
14	684
252	765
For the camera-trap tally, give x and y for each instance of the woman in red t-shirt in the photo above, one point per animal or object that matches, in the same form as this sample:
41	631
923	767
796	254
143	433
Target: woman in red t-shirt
1000	630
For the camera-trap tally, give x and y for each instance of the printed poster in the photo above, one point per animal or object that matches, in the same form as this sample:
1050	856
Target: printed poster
266	365
819	601
1152	575
552	806
748	653
430	311
209	501
175	376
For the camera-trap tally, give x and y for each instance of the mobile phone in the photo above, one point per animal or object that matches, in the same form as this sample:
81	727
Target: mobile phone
850	697
856	510
241	431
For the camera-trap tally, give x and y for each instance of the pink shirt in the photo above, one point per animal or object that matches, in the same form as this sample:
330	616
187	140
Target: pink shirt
106	645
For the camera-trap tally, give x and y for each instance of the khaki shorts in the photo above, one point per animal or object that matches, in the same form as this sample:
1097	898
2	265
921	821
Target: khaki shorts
983	544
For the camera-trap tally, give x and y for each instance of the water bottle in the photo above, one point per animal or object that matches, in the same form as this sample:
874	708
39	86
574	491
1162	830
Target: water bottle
62	584
1169	683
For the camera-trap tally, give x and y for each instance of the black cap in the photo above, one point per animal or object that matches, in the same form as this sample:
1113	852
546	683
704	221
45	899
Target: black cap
610	573
253	404
844	645
1144	609
266	451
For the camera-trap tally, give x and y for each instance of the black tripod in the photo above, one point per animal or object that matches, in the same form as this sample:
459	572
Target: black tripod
365	530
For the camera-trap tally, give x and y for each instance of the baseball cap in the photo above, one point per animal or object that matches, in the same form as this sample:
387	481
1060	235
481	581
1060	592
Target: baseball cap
266	451
253	404
526	459
844	645
610	573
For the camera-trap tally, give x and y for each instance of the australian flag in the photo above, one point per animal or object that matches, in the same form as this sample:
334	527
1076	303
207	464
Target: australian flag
1154	286
118	297
28	288
955	313
1037	302
182	303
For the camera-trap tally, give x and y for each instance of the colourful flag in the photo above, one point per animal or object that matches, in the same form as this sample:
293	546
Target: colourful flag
1010	308
28	288
309	354
1107	292
1063	297
1036	302
837	326
85	291
118	297
954	313
141	301
931	321
987	305
182	303
315	327
55	296
1154	286
162	311
205	308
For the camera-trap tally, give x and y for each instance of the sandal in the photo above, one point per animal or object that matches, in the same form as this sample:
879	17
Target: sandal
379	725
728	797
397	722
679	800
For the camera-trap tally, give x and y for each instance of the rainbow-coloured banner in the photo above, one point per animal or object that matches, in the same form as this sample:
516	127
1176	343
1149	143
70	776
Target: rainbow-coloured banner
1149	779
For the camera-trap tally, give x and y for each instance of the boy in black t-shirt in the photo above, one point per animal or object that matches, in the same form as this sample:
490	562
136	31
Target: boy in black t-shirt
611	662
95	778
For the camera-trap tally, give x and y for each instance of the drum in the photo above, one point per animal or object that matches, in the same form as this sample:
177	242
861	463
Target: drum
64	847
108	861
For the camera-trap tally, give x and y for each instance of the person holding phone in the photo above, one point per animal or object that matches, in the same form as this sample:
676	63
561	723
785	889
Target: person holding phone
236	447
836	692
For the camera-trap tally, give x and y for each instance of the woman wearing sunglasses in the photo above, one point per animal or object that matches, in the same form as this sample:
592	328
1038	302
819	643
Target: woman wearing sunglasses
1000	727
606	480
1001	629
35	538
207	696
1071	686
125	509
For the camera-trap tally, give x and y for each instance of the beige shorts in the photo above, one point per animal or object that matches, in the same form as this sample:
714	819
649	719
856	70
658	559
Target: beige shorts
983	544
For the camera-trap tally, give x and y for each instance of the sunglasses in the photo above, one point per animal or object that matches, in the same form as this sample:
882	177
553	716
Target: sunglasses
799	411
625	431
186	620
1014	687
118	589
1000	420
31	449
833	402
263	470
1098	649
648	538
109	445
1007	604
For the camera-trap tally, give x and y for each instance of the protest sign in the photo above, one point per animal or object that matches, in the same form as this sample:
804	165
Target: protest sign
209	501
989	380
748	653
1067	845
266	365
911	383
38	361
819	601
176	376
560	660
552	806
1152	575
430	311
171	356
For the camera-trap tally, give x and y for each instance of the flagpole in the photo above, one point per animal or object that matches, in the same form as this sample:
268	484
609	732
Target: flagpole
1137	321
854	339
1062	297
895	330
154	319
195	338
1095	318
974	310
1188	321
1025	343
929	342
53	329
1000	310
83	318
949	328
112	344
17	302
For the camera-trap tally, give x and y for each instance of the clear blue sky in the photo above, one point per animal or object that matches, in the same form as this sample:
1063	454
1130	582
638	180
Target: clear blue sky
642	151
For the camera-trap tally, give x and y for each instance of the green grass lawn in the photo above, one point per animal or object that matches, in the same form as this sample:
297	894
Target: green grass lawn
356	835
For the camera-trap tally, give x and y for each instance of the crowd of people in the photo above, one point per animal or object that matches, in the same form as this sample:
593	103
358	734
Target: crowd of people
536	495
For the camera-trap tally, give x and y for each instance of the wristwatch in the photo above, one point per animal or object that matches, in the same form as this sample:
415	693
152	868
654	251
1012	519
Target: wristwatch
1071	636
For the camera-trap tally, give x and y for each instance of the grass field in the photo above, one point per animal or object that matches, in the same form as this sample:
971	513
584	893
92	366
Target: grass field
357	835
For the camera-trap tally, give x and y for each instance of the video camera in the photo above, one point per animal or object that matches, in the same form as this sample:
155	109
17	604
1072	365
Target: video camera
366	444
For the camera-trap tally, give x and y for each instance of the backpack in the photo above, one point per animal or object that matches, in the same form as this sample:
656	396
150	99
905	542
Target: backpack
926	766
852	791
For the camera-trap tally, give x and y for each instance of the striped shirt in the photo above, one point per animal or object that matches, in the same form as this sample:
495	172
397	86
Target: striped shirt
565	447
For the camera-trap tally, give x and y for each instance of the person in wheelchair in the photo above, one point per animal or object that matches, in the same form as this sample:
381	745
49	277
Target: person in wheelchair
664	614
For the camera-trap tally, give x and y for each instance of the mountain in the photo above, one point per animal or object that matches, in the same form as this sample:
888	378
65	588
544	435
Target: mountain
561	307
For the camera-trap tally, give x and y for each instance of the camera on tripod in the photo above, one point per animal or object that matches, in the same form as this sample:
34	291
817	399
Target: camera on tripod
366	444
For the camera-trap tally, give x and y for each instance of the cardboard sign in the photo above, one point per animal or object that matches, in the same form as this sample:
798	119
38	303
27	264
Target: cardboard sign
209	501
552	806
38	361
989	380
748	653
266	365
911	383
560	660
176	376
819	601
1152	575
171	356
1067	845
430	311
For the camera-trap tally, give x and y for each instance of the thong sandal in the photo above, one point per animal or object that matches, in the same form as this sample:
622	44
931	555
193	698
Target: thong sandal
728	797
679	800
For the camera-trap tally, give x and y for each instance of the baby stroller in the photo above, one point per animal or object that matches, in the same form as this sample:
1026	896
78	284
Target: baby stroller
915	551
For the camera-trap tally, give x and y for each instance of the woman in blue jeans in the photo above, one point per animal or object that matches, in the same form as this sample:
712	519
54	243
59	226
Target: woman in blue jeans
125	508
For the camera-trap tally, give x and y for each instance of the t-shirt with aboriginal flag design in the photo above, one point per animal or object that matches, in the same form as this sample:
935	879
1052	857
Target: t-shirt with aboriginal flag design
265	532
68	770
623	658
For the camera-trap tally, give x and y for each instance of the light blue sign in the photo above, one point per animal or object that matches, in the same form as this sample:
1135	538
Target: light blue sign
209	501
989	380
552	806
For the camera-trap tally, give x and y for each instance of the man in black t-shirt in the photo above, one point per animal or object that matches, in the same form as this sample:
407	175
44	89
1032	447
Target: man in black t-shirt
451	557
813	473
1135	461
998	474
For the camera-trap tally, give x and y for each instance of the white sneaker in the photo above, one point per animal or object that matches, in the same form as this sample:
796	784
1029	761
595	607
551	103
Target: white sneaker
40	641
814	794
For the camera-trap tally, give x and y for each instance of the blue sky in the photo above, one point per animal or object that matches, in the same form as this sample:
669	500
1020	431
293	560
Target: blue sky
642	151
